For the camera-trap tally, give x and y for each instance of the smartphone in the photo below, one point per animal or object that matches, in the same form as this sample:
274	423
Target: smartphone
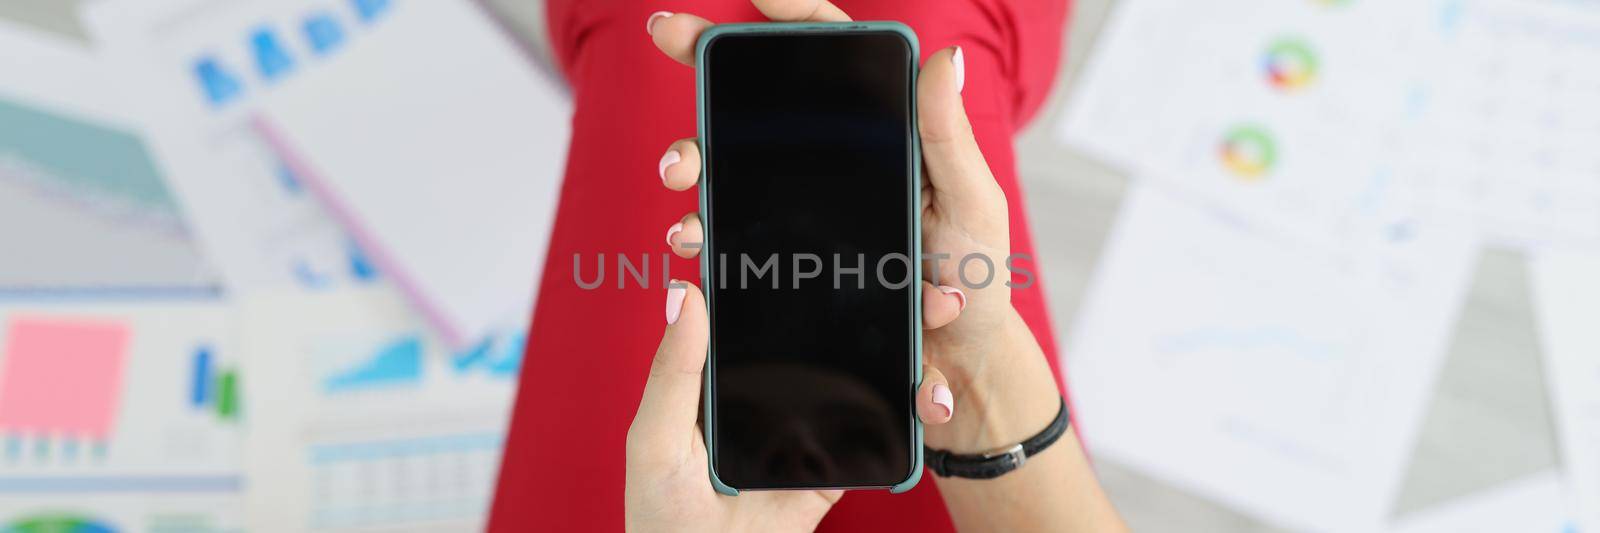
809	196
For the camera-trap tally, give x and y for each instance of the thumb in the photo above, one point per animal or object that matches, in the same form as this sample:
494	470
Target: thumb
671	401
956	168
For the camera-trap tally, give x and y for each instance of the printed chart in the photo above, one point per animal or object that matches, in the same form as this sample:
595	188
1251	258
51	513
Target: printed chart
392	363
401	360
1503	120
213	388
104	298
1266	110
1339	121
78	190
444	478
106	389
1289	145
59	522
120	512
59	386
1303	374
374	423
460	226
197	71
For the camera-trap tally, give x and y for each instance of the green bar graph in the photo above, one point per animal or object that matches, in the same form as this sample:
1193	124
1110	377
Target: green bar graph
228	395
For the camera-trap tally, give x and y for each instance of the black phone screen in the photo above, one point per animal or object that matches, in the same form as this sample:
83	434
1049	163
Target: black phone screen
808	139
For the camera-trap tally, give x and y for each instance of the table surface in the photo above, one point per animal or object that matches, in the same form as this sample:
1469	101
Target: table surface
1487	422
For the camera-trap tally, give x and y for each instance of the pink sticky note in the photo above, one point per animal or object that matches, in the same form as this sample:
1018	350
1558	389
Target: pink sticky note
61	377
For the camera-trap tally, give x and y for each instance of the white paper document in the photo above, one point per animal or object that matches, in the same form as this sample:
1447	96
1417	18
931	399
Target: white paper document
84	211
441	146
134	397
1294	376
1502	124
372	424
192	71
1534	504
119	405
1566	293
1264	108
1329	118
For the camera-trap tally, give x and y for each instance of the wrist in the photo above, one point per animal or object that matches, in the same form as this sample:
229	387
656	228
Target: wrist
1002	396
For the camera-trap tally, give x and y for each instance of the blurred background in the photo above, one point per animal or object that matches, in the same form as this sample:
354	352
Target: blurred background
1317	264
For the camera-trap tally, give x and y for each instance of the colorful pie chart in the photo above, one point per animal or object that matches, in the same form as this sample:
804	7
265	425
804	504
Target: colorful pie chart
1290	65
1249	152
57	523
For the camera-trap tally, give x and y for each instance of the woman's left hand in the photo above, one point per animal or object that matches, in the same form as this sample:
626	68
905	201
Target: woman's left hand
668	482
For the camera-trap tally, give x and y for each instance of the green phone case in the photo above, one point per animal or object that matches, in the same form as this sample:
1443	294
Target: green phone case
707	252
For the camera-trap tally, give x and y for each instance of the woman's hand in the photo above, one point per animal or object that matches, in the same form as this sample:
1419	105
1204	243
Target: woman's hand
668	483
995	366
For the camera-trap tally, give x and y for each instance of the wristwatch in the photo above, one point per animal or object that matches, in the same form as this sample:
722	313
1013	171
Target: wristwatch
995	464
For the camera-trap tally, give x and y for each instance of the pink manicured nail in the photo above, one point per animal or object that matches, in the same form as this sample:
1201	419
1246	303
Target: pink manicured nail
650	23
672	157
676	291
959	295
960	60
673	231
943	398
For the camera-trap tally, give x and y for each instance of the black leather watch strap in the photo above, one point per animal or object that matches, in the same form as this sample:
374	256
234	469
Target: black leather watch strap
995	464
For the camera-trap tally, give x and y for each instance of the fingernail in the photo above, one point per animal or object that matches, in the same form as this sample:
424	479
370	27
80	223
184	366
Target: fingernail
960	61
670	158
675	294
959	295
650	24
943	398
673	231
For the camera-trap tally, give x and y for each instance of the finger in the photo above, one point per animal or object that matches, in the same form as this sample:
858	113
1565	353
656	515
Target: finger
941	304
676	33
801	10
935	404
671	401
686	237
955	165
680	166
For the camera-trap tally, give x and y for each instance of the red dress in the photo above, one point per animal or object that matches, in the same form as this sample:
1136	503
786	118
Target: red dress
589	351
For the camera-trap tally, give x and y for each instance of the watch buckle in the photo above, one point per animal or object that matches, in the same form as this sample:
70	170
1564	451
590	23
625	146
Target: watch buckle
1017	454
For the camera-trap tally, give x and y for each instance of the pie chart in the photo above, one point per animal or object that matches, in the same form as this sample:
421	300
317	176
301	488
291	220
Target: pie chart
1248	152
57	523
1290	65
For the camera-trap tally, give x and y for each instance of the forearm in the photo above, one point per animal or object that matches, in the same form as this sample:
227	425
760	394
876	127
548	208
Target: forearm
1009	398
